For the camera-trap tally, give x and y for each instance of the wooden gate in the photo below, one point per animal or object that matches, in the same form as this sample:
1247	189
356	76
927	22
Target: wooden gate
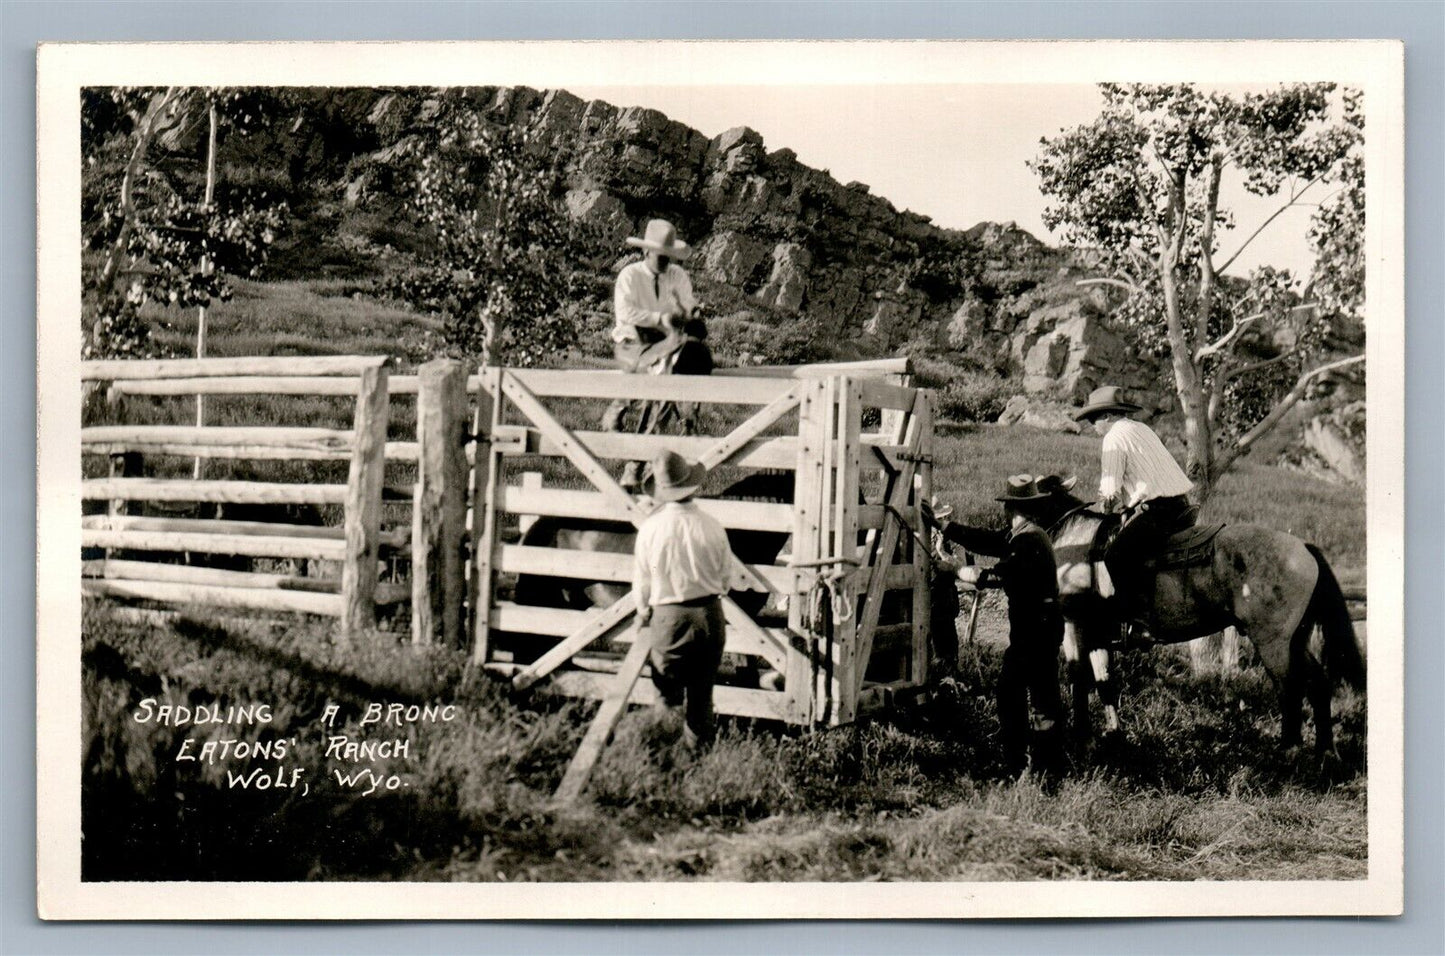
848	601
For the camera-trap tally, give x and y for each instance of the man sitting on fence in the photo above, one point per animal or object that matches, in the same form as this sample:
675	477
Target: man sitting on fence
681	570
652	302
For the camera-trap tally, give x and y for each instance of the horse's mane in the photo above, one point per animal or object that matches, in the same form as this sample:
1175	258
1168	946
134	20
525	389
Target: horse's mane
1072	521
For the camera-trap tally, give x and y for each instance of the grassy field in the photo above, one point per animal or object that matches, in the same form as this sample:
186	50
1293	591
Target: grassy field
1200	789
1199	792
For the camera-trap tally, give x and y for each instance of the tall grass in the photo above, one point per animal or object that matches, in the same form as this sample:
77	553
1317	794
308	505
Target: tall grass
1199	793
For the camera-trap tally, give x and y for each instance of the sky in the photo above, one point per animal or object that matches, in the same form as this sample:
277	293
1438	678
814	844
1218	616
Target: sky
954	152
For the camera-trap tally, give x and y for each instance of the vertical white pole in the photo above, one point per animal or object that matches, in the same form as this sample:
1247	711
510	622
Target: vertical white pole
205	267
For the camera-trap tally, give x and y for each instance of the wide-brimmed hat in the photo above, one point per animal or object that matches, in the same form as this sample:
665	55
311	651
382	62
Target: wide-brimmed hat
661	236
1106	398
673	477
1021	490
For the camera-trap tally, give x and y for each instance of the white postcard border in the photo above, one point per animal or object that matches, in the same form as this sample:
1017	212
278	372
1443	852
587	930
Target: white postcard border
1374	66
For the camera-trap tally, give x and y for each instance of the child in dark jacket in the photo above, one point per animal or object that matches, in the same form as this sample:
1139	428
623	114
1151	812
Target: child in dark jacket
1027	573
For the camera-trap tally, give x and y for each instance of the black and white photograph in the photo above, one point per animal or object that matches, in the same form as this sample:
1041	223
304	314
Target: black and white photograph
755	479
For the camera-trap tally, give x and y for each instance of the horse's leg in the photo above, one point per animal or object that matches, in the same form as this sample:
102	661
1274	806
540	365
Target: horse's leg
1291	701
1320	692
1081	681
1108	688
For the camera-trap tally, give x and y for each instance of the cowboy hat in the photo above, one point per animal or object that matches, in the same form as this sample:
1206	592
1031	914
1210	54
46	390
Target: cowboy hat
1106	398
673	477
661	237
1021	489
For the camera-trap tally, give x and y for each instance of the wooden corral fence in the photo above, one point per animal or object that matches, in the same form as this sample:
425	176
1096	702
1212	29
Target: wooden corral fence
850	597
166	557
847	611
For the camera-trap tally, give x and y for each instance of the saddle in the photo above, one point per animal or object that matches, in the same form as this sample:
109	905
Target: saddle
1187	548
681	351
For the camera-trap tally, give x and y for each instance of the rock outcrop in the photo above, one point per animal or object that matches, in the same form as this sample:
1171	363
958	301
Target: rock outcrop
782	241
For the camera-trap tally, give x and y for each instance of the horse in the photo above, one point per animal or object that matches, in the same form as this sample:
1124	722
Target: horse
1272	587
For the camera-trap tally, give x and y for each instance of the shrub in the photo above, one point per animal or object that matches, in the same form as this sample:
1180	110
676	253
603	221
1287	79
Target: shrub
975	397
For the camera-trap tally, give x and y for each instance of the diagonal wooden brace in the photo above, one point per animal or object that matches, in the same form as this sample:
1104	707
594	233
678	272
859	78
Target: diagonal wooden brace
595	629
579	771
592	469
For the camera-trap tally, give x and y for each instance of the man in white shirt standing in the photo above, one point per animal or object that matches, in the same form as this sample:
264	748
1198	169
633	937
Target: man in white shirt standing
680	572
1139	477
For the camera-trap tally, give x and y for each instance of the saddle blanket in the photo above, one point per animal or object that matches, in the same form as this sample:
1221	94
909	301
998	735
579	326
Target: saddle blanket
1184	549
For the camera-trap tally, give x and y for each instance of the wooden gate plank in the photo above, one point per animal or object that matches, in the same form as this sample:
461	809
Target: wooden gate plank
900	487
759	641
486	484
759	422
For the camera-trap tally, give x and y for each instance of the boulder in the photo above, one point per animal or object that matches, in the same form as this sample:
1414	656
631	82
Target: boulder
1038	413
787	285
730	257
600	209
1337	440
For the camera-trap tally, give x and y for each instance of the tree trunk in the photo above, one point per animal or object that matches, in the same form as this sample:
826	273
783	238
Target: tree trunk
1189	388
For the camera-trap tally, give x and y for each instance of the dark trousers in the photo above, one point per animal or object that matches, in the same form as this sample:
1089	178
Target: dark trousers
628	355
649	414
1030	675
1143	536
687	647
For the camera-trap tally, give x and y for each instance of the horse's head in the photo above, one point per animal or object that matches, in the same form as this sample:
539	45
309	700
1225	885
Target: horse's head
774	486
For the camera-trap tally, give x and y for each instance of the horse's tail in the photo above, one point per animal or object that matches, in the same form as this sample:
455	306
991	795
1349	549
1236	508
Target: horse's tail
1327	608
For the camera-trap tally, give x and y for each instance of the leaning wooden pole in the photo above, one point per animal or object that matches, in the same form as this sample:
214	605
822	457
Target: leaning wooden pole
439	512
363	503
579	771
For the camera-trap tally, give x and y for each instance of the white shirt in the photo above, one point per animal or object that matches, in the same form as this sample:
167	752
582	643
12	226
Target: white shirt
1137	467
682	554
644	298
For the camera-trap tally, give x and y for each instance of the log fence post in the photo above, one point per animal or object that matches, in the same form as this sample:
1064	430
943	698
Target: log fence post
363	502
439	515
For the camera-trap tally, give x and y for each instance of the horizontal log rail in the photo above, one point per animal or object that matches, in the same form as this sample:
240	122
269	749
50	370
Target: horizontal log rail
733	701
235	442
392	538
114	370
122	570
570	383
560	622
567	503
260	599
860	369
233	492
319	385
779	452
238	544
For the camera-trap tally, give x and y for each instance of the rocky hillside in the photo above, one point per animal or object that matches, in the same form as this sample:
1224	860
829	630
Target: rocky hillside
794	264
782	248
